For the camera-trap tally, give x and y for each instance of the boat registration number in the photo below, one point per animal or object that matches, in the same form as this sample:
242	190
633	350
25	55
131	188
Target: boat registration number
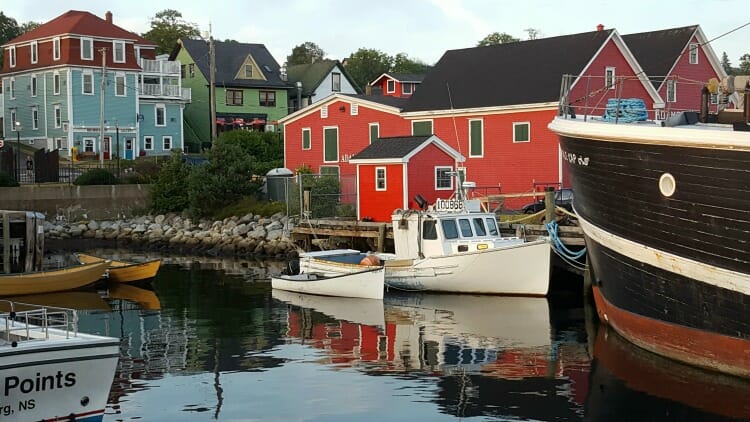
449	205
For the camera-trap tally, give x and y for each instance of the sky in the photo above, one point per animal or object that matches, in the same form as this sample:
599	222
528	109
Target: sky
423	29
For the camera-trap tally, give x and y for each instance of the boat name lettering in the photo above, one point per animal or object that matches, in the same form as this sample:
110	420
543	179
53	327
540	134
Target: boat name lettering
7	409
572	158
448	205
38	383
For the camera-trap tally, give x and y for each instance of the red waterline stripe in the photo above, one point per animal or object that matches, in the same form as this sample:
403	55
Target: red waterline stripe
80	415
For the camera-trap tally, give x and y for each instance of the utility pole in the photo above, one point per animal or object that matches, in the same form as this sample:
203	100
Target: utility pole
212	82
101	106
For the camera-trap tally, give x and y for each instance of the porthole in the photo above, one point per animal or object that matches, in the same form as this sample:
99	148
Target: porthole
667	184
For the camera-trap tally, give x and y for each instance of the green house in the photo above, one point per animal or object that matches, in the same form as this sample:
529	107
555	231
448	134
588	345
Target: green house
251	93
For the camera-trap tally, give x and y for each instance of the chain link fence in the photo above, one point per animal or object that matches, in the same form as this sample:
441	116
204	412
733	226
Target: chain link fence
316	195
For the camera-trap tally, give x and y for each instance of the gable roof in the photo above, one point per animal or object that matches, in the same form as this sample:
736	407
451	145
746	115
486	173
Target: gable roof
230	56
383	103
312	75
658	51
400	77
78	22
400	149
525	72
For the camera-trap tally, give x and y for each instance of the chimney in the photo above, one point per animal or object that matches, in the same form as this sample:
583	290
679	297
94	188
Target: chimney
600	27
368	89
108	16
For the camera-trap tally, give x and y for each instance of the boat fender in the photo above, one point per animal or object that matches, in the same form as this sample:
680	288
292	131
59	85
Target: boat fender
371	260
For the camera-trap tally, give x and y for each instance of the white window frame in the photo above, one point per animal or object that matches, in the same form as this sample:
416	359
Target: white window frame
609	77
404	88
335	84
34	51
122	76
87	53
438	168
309	136
432	125
35	118
248	71
12	55
158	107
56	48
12	88
671	86
148	143
388	88
338	144
88	140
58	116
56	81
369	130
383	178
115	45
84	74
13	117
481	135
166	140
693	53
34	83
517	124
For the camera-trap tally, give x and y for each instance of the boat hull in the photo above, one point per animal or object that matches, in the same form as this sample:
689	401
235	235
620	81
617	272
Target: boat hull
366	284
53	280
126	272
671	267
521	269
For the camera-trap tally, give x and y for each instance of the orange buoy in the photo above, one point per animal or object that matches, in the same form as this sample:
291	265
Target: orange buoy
370	260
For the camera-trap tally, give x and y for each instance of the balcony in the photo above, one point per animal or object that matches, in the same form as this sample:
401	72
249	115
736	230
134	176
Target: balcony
165	91
160	67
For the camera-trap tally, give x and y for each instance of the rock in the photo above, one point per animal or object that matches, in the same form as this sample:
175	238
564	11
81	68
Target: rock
159	219
93	225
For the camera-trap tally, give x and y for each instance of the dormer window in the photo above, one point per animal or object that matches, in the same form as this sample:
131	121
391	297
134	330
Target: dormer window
12	56
390	87
406	88
87	49
118	51
56	48
34	52
693	53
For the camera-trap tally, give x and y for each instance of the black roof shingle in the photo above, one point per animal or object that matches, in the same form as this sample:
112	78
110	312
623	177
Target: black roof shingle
395	147
657	51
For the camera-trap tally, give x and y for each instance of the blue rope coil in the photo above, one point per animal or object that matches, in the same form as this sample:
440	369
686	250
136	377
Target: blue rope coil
630	110
560	246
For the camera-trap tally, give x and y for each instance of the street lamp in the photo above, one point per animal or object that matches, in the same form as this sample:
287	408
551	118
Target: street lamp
18	151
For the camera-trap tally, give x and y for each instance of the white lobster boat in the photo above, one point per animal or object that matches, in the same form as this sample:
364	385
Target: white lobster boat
50	371
367	283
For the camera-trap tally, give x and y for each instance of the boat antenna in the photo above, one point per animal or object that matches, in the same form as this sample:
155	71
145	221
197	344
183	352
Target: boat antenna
459	179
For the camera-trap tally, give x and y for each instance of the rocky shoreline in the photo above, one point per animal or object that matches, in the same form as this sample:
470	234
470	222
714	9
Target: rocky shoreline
246	236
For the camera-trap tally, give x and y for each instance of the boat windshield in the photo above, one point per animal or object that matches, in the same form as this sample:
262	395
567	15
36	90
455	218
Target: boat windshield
465	226
450	230
492	226
479	227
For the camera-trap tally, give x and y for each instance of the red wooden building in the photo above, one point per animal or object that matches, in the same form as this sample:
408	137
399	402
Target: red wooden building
397	84
392	171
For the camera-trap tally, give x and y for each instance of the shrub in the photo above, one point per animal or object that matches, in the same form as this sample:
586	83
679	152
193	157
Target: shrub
251	205
96	177
169	192
267	148
6	180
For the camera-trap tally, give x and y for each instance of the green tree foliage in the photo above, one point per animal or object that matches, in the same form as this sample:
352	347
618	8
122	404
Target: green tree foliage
744	65
225	179
9	29
305	53
266	148
366	64
496	38
401	63
533	33
96	177
167	27
28	26
725	63
169	192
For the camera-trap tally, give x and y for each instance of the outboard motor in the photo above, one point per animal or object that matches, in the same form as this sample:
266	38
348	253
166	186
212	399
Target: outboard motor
292	267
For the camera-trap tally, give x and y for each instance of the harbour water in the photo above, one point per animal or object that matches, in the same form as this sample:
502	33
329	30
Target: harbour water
208	339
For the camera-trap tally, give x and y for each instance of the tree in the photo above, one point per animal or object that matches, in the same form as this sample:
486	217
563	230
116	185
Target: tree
28	26
267	148
496	38
725	63
167	27
744	64
366	64
9	29
403	64
169	192
305	53
533	33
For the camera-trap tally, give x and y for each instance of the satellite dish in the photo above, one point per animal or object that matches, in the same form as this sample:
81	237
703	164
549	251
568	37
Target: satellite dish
713	86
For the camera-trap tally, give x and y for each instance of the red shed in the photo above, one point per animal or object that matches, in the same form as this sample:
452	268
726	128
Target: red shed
392	171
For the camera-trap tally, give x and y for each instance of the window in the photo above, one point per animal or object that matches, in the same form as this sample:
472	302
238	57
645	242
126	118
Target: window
182	71
118	51
35	117
379	178
12	88
148	142
306	141
374	131
693	53
423	127
521	132
479	228
56	83
234	97
443	178
390	86
465	225
58	116
88	83
324	112
449	229
166	143
34	50
13	120
87	49
161	115
33	85
336	82
671	91
429	230
267	98
88	144
191	70
330	144
406	88
12	56
120	84
56	48
329	171
248	71
609	77
476	138
492	225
